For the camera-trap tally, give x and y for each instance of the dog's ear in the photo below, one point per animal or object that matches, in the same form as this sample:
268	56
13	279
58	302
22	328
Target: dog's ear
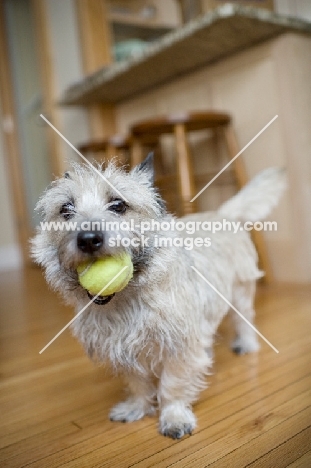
147	167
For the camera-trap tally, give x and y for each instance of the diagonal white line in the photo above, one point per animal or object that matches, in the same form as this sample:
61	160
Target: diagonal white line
82	310
235	310
235	157
83	157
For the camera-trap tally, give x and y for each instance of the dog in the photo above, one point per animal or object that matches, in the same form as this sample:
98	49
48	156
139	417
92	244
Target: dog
159	330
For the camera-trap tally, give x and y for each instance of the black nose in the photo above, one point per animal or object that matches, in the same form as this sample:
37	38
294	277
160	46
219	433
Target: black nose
90	241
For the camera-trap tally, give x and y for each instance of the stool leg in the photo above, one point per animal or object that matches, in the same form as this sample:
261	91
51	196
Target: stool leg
242	179
233	149
111	152
185	171
136	153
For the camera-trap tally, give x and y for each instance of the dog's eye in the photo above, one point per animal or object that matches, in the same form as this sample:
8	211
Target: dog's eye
67	210
118	206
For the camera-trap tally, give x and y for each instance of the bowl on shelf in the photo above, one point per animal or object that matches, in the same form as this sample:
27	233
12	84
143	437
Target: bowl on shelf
131	48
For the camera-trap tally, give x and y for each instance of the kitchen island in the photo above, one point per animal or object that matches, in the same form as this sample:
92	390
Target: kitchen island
252	63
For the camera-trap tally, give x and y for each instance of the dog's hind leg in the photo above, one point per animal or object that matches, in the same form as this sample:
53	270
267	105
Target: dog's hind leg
246	340
140	402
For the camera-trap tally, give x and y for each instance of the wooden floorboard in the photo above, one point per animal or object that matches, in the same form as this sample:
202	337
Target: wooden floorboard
302	462
54	407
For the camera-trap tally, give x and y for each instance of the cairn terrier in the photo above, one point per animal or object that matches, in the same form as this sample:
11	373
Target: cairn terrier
159	330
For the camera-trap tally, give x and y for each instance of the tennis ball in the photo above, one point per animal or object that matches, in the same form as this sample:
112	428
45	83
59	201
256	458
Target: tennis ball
95	275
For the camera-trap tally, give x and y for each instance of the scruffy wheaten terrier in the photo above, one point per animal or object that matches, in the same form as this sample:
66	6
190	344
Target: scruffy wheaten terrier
158	331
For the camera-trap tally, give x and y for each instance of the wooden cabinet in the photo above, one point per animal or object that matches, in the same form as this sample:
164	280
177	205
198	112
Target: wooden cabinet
136	23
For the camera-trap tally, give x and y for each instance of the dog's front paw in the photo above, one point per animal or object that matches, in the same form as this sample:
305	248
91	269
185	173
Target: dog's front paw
131	410
176	420
244	345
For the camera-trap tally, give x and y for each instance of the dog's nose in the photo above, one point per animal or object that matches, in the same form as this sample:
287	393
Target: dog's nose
90	241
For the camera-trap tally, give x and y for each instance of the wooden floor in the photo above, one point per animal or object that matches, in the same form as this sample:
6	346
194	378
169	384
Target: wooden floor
54	406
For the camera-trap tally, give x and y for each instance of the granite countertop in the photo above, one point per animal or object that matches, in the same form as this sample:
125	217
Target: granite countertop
205	40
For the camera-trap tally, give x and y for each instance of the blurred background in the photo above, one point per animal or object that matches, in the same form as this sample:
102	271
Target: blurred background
195	80
94	68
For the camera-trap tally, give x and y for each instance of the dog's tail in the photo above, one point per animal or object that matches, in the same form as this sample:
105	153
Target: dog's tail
257	199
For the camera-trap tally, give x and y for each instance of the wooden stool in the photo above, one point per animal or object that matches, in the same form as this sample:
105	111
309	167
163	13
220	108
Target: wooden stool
117	145
179	125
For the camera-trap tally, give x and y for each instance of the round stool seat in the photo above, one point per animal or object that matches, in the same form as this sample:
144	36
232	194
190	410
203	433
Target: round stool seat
191	120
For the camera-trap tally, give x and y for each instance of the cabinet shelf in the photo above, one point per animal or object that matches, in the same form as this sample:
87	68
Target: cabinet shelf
137	20
142	20
138	29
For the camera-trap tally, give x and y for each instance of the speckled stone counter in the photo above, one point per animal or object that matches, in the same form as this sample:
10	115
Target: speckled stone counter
208	39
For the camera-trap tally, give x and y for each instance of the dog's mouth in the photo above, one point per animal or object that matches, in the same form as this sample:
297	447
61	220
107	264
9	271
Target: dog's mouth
100	300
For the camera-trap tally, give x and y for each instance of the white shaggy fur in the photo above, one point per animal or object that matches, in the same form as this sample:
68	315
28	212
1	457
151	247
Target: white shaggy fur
159	330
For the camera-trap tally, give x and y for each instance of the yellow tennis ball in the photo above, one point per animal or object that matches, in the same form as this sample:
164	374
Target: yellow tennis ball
95	275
